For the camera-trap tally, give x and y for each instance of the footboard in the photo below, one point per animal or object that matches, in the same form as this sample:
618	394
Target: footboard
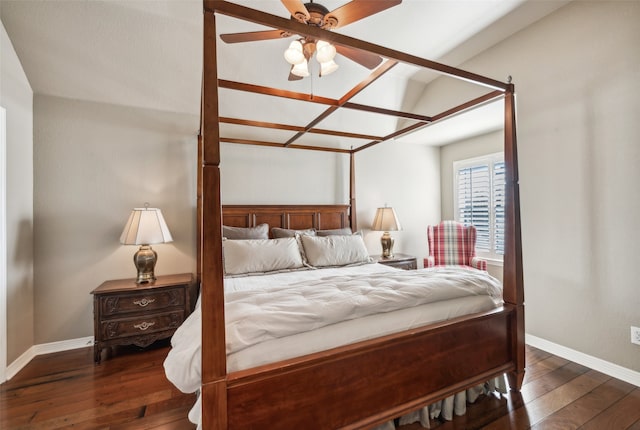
367	383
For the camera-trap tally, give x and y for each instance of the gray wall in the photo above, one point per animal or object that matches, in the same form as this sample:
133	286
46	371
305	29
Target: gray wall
577	77
94	163
16	97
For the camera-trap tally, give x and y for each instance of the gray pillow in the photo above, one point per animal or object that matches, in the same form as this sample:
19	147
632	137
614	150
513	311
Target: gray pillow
278	232
334	232
234	233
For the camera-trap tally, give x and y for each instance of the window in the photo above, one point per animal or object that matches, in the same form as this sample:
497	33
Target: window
479	199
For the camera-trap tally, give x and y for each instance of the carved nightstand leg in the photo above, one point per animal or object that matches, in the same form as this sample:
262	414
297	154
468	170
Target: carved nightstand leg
97	353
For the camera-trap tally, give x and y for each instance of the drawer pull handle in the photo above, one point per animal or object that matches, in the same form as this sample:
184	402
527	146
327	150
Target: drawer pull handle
144	302
144	325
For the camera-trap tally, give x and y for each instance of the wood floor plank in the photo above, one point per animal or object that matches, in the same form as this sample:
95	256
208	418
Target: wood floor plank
534	354
552	380
621	415
536	370
634	426
586	407
67	390
543	406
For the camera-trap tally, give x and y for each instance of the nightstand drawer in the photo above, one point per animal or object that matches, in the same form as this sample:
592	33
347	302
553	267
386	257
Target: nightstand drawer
147	300
141	325
399	261
405	265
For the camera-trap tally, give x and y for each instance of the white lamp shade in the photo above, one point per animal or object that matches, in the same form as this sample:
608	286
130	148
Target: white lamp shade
325	51
294	54
145	226
328	67
301	69
386	220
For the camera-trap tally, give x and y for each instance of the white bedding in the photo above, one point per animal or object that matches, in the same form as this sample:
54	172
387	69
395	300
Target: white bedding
330	307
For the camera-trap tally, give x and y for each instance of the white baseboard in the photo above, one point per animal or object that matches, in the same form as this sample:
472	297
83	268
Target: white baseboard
45	348
606	367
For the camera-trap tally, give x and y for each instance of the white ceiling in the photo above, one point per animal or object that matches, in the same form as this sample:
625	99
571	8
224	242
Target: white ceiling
147	54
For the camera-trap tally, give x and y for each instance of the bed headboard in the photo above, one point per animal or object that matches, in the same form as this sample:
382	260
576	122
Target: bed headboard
297	217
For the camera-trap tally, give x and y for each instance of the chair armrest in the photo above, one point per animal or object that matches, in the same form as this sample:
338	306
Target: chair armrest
429	262
479	263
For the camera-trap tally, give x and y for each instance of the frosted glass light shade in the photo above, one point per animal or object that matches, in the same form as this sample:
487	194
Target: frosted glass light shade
325	51
145	226
294	54
328	67
301	69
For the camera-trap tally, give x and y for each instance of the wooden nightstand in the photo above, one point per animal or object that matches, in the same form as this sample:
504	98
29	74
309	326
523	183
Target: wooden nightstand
401	261
126	313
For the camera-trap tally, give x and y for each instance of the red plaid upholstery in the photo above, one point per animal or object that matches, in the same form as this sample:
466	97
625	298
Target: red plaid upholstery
451	243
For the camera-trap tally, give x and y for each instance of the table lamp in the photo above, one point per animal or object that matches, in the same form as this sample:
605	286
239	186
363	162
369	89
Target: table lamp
145	227
386	220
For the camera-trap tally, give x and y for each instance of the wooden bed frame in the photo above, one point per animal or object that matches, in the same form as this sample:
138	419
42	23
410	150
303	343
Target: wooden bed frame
367	383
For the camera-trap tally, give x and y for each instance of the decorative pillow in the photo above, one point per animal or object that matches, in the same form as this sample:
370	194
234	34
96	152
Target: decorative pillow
335	250
258	232
260	255
334	232
277	232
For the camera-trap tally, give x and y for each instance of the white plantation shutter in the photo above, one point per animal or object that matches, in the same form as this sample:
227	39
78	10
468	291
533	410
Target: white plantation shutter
474	197
479	201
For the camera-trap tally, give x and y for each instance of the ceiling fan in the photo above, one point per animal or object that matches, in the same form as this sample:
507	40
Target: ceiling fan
315	14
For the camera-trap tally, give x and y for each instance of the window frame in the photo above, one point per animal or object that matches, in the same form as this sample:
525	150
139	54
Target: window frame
492	255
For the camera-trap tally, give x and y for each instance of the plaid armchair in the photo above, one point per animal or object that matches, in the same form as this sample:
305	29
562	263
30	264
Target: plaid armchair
451	243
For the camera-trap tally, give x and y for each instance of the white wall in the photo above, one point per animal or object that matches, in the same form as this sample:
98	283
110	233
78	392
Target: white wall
577	77
16	97
94	163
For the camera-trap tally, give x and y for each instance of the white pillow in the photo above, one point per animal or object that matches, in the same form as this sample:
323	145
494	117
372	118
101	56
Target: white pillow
334	250
260	255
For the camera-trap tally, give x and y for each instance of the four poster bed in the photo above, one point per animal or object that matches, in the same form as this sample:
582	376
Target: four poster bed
362	383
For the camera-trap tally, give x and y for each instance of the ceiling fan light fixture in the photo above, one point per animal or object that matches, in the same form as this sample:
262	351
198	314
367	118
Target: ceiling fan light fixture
294	54
325	51
328	67
301	69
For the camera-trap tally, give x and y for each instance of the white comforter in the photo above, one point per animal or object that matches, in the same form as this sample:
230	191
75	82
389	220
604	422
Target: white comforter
260	315
294	307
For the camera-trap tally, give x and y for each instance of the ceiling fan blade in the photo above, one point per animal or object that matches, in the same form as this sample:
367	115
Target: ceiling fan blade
356	10
364	58
253	35
297	10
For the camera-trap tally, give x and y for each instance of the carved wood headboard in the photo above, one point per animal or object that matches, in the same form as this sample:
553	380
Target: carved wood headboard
297	217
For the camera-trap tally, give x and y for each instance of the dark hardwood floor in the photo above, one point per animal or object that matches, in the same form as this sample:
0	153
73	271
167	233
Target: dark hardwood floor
129	391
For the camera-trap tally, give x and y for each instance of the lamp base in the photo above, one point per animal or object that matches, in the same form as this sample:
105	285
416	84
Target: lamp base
387	245
145	260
